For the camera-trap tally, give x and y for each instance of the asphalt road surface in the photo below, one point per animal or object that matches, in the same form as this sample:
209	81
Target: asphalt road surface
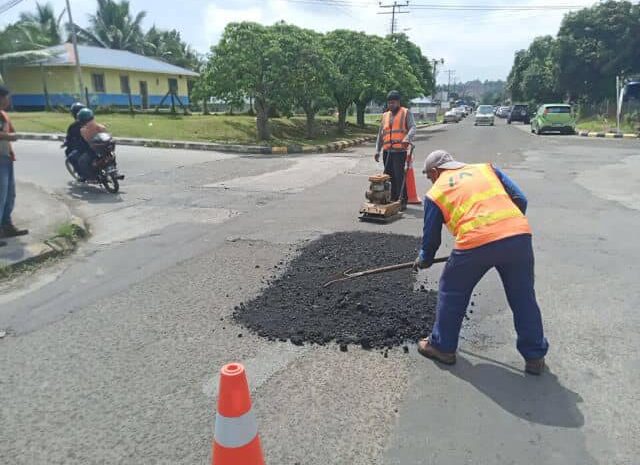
112	355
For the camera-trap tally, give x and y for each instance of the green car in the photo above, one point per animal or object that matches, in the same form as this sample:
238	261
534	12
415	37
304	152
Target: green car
554	117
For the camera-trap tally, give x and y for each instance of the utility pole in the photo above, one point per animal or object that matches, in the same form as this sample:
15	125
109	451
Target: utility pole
396	9
435	75
450	73
74	40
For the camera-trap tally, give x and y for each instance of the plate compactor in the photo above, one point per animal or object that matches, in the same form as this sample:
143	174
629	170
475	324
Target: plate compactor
380	208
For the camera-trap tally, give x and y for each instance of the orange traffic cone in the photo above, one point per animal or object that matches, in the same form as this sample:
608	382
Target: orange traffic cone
410	180
236	440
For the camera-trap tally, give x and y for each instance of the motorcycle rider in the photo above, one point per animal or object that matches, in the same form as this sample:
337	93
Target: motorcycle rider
88	130
74	143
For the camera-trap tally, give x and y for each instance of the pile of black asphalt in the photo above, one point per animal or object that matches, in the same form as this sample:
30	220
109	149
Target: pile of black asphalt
376	312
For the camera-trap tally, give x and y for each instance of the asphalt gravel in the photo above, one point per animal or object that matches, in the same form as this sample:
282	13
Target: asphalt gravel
380	311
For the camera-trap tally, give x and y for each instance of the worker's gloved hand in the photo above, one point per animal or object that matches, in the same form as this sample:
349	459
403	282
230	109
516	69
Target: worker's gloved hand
376	157
420	264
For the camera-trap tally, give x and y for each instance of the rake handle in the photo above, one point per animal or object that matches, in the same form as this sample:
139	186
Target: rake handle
384	269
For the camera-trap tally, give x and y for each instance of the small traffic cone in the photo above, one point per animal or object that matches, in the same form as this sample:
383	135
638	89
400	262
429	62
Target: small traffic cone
236	440
410	181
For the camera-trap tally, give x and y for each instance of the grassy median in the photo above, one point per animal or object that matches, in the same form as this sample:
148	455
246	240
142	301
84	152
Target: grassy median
240	129
598	124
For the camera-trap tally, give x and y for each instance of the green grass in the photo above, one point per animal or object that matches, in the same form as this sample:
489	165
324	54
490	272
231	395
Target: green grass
598	124
200	128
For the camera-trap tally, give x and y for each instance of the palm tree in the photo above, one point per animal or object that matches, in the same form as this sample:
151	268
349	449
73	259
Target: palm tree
169	46
42	28
113	26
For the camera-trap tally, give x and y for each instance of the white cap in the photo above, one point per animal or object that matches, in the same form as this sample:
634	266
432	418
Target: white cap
441	159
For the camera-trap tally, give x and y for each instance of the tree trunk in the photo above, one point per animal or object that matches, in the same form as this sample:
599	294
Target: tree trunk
360	108
205	106
262	119
311	120
342	119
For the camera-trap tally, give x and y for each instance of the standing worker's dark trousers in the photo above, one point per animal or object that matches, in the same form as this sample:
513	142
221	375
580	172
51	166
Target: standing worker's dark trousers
513	258
394	166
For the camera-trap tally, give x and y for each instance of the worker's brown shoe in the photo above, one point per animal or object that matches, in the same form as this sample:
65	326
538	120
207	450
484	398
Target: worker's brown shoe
427	350
534	367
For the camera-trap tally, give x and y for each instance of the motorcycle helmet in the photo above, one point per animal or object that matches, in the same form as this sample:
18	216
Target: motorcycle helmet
85	115
75	108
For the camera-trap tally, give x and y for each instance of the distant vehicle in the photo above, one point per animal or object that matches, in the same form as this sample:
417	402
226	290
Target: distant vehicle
553	117
460	112
451	117
519	112
502	112
484	115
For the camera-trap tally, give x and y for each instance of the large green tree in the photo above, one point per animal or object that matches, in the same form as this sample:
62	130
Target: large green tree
42	28
308	72
114	26
420	64
249	61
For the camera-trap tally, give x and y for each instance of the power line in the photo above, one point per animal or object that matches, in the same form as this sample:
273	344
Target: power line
396	9
8	5
445	6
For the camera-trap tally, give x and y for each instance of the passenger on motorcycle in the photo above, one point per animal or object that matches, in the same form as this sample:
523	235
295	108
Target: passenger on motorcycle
74	143
88	130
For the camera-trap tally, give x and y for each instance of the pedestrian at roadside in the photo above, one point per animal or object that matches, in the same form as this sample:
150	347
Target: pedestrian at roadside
485	211
397	130
7	175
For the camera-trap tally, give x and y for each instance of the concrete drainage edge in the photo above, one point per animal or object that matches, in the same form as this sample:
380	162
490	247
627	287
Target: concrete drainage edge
208	146
608	135
55	246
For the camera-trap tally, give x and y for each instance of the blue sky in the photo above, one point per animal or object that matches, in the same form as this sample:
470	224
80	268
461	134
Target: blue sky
474	44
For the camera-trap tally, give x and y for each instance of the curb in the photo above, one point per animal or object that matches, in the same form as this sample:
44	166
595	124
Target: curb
55	246
210	146
608	135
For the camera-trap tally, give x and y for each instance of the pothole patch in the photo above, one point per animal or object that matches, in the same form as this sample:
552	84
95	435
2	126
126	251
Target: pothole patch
380	311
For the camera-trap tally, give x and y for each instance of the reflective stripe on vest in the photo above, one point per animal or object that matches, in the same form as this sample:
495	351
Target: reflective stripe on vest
475	206
235	432
393	135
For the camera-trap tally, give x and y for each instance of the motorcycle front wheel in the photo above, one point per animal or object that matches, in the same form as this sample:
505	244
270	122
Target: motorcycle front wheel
71	169
110	183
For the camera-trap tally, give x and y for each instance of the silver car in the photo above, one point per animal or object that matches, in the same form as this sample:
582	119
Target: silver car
484	115
451	117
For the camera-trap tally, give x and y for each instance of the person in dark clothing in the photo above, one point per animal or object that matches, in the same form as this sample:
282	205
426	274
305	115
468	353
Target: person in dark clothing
75	144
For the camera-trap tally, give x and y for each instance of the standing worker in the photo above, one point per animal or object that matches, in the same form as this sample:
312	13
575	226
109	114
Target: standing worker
485	212
397	130
7	174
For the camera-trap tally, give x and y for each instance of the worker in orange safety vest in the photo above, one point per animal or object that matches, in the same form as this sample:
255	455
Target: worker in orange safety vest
397	130
485	212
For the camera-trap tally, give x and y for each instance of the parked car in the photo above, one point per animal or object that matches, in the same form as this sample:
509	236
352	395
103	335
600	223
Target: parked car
451	116
554	117
519	112
484	115
502	112
460	112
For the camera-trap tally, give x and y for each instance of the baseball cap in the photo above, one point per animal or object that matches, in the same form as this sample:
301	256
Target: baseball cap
4	91
441	159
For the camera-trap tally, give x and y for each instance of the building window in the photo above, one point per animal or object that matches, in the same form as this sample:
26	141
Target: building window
124	85
173	85
98	82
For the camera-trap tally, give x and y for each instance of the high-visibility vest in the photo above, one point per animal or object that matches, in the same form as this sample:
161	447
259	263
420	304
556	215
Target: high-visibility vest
394	134
475	206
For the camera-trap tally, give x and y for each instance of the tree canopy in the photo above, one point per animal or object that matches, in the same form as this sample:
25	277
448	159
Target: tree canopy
592	46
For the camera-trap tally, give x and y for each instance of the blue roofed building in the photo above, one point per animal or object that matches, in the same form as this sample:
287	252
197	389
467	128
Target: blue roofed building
110	77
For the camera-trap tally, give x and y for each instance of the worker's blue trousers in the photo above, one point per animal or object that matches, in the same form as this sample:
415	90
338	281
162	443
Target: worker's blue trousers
513	258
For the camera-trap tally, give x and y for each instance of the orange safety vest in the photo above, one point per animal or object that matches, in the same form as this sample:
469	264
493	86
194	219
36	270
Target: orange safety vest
394	134
476	208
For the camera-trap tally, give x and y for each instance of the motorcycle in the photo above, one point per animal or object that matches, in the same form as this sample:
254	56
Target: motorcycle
105	167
